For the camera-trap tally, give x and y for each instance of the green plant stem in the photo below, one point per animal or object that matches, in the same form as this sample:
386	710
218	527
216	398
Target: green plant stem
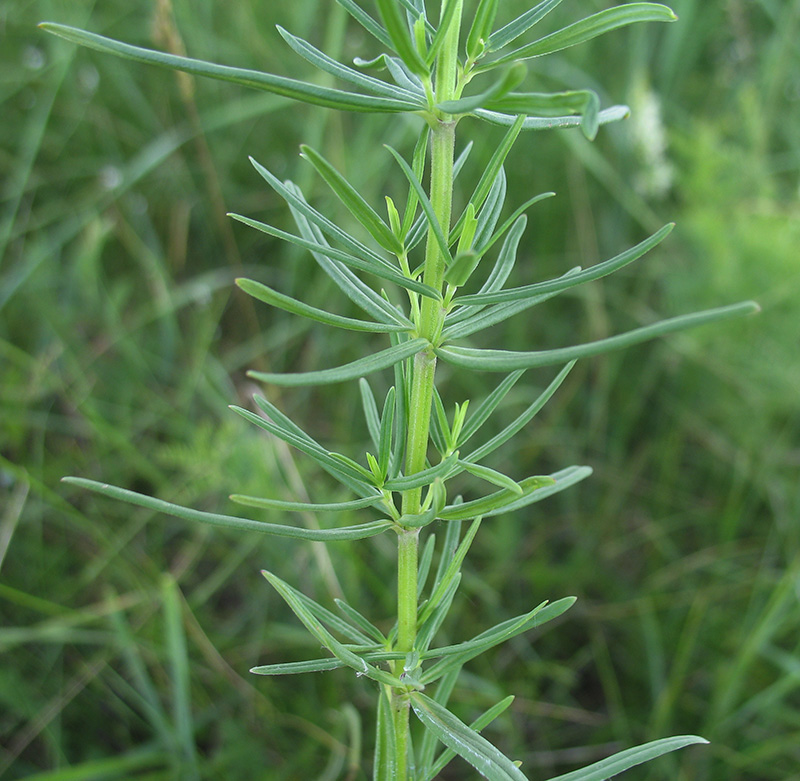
423	372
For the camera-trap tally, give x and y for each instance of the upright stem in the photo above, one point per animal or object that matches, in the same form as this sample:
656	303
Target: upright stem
423	376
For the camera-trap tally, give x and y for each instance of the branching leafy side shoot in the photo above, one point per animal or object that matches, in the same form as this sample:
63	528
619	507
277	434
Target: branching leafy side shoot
427	69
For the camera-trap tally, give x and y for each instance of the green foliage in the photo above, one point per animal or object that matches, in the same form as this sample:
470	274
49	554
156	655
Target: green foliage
465	320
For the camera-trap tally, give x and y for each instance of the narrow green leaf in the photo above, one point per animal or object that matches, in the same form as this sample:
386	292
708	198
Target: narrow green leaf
350	659
490	173
370	411
523	23
279	85
584	102
343	472
265	503
606	116
588	28
507	360
401	40
433	621
296	668
358	620
386	432
372	265
423	477
522	420
487	407
425	560
288	304
486	718
481	28
454	657
451	569
418	167
491	476
451	538
349	371
427	207
426	517
366	21
509	79
329	65
359	532
353	201
463	266
384	768
491	210
565	282
607	768
466	742
484	242
496	503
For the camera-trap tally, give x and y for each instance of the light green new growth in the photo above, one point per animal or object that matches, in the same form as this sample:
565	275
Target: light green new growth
429	64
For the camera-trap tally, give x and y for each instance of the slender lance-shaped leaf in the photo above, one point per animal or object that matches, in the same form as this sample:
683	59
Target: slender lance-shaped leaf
353	201
586	29
486	408
427	207
481	28
512	31
401	40
424	476
279	85
491	476
612	114
498	502
366	626
384	767
522	420
484	244
507	360
564	282
366	21
376	267
583	102
343	472
359	532
428	628
466	742
608	768
265	503
510	79
486	718
448	14
339	650
297	668
370	412
288	304
349	371
486	181
329	65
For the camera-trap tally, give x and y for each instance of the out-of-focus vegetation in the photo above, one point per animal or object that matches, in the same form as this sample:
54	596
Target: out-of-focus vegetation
126	637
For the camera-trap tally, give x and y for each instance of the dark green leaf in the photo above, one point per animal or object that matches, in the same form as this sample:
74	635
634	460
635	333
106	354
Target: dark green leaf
401	40
506	360
427	207
366	21
612	114
496	503
279	85
607	768
295	668
466	742
386	431
349	371
370	411
372	265
491	476
385	751
584	102
588	28
481	28
322	535
353	201
281	301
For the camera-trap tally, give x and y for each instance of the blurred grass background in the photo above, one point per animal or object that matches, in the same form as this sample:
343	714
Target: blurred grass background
126	637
